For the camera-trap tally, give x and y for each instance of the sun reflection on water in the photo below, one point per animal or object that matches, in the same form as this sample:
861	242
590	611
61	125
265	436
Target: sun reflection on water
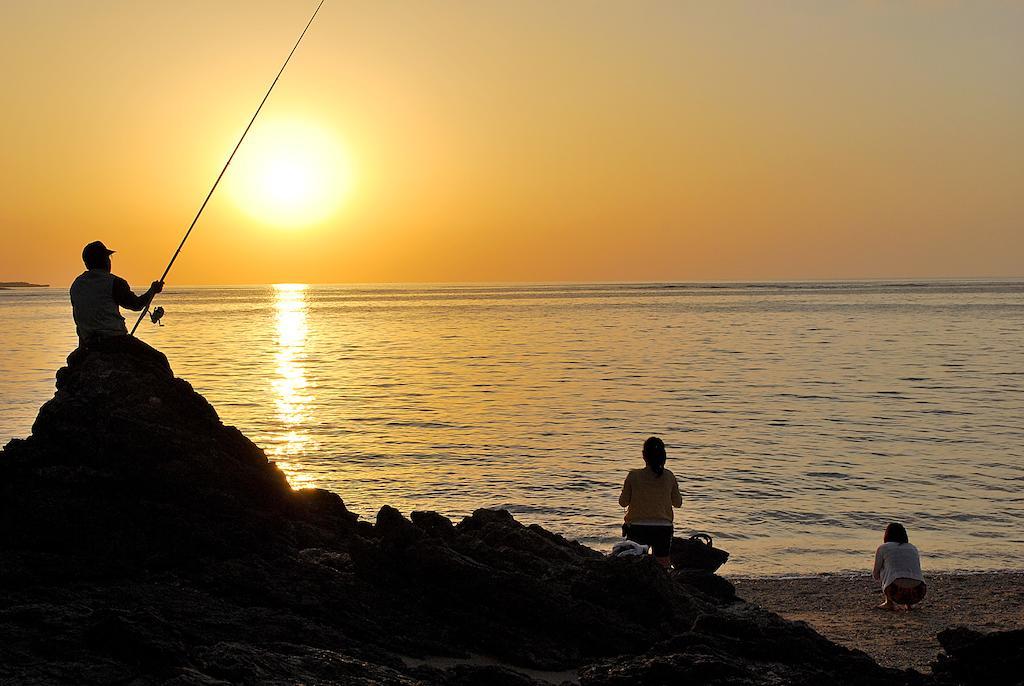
292	390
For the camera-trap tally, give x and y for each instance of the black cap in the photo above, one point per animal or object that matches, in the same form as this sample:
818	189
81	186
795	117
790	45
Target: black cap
95	253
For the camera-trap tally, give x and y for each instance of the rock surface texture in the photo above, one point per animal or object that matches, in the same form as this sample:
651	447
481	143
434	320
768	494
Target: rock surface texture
142	541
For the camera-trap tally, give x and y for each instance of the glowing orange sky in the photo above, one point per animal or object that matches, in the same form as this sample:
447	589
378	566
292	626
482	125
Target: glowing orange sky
524	140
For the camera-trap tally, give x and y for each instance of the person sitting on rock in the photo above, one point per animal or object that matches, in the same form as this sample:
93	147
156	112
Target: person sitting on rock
898	567
96	296
649	494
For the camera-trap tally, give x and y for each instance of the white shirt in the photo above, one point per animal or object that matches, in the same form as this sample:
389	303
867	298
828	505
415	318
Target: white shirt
897	561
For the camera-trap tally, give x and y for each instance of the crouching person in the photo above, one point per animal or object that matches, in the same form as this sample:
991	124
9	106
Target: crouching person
898	567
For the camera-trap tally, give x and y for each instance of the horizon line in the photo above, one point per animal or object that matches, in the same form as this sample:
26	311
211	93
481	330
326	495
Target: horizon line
610	282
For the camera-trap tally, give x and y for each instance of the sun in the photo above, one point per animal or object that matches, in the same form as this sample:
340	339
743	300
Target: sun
290	174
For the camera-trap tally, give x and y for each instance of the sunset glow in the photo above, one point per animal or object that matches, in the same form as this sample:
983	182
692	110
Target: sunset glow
292	390
518	141
290	174
514	341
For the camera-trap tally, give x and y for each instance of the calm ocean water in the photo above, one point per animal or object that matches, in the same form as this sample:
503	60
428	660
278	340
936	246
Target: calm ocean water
800	417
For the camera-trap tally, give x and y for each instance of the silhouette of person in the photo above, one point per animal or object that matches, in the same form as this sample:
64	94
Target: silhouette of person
96	298
649	494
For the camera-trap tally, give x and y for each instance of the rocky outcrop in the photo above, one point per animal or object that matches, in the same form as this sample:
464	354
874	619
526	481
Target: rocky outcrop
128	466
142	541
972	658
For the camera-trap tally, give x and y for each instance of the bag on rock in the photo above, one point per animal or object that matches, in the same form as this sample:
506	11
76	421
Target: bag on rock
698	552
628	549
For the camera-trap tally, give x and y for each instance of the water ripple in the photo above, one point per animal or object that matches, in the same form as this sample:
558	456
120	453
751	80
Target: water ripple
800	418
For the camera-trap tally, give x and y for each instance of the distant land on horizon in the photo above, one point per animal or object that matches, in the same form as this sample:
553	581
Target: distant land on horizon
22	284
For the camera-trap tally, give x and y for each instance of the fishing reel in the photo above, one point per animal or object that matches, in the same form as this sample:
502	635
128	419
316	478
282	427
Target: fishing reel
156	315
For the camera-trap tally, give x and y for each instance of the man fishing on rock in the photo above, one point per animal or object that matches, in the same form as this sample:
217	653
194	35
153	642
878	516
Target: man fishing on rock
97	295
96	298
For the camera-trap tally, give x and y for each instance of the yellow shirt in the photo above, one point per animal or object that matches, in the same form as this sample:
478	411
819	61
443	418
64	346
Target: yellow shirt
650	498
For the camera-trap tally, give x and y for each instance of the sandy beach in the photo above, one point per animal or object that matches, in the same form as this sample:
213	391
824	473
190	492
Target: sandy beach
842	608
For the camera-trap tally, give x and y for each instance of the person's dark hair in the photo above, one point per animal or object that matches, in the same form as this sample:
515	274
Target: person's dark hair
895	533
654	454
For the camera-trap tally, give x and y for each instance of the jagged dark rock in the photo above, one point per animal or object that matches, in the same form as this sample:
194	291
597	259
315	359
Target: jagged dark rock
142	541
973	658
127	465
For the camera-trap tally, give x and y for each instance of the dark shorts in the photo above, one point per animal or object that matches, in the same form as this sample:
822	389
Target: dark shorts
904	593
657	536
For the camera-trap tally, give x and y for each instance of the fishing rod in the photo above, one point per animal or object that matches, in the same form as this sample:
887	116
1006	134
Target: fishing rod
202	207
